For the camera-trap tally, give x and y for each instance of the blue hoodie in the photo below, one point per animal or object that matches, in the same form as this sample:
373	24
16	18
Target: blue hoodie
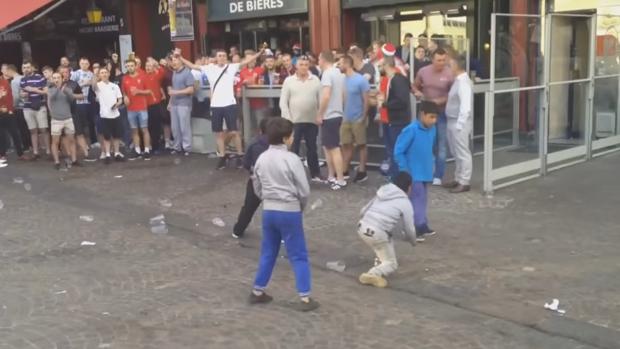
414	151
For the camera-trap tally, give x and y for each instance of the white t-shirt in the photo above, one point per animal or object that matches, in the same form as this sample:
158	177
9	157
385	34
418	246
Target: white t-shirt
108	94
224	94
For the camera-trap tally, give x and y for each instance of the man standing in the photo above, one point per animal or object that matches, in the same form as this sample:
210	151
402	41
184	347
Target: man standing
367	70
250	75
180	105
110	99
154	78
79	128
353	129
84	78
460	124
223	102
299	103
10	72
287	69
32	88
398	106
8	122
135	94
59	100
433	84
404	50
331	111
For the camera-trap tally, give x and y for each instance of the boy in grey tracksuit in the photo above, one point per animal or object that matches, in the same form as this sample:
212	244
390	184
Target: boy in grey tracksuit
390	211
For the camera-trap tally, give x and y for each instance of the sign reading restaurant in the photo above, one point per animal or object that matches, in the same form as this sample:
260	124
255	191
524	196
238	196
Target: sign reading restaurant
226	10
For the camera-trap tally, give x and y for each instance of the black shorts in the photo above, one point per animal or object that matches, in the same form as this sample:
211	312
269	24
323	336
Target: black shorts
112	128
221	114
82	118
330	133
166	119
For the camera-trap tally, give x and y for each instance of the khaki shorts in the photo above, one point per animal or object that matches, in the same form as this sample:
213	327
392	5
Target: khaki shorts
58	126
353	132
36	119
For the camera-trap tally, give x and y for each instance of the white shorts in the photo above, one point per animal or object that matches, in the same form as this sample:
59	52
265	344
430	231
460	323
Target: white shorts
58	126
36	119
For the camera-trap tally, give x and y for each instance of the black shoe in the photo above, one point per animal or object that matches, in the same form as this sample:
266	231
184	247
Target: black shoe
133	155
310	305
108	160
361	177
262	299
146	156
76	164
221	163
90	158
57	166
119	157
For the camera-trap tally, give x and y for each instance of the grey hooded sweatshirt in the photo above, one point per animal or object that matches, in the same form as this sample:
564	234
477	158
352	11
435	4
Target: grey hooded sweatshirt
389	211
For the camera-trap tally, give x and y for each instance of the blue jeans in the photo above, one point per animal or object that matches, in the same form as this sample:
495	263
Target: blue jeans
441	146
138	119
419	201
287	226
392	135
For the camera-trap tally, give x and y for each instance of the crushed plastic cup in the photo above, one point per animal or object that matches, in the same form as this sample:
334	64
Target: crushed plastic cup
27	186
87	218
338	266
88	243
118	176
218	222
18	180
554	306
158	225
317	204
165	203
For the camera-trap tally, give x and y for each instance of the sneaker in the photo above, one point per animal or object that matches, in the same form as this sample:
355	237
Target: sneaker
331	180
361	177
96	145
146	156
35	157
221	163
460	189
108	160
133	155
318	179
76	164
372	279
450	185
169	145
102	156
57	166
21	158
437	182
338	186
236	235
346	176
262	299
308	305
239	162
420	238
119	157
92	158
174	152
186	153
3	164
430	232
3	160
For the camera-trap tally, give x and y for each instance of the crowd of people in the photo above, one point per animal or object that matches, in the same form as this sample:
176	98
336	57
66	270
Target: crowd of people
148	111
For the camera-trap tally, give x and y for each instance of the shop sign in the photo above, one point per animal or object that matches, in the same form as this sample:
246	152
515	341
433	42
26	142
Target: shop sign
108	24
225	10
10	36
181	16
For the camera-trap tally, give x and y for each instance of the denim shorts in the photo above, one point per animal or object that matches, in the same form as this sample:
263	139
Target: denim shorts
219	115
138	119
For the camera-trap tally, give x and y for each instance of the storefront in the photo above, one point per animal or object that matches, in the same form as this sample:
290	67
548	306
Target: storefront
248	24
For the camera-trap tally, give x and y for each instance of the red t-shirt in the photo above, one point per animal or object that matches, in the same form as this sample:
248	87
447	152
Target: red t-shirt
7	100
154	83
138	102
252	76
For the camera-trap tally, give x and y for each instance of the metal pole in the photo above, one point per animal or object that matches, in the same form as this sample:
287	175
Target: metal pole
255	41
543	127
247	117
590	95
489	108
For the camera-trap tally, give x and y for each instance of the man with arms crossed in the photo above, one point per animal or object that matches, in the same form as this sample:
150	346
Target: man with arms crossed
330	118
221	78
135	94
299	103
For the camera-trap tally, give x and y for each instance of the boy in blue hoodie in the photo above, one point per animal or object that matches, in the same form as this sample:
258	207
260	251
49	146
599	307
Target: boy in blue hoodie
414	154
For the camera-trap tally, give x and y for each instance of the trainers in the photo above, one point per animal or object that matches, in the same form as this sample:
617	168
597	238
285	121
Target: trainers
3	160
21	158
420	238
318	179
361	177
430	232
338	186
437	182
372	279
3	164
133	155
221	163
237	235
102	156
239	162
57	166
186	153
146	156
450	185
91	158
76	164
308	305
119	157
108	160
460	189
346	176
262	299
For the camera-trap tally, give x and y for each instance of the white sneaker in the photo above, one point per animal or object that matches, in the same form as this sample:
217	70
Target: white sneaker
102	156
3	164
437	182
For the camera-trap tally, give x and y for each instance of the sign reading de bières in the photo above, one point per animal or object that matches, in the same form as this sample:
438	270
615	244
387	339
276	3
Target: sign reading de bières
225	10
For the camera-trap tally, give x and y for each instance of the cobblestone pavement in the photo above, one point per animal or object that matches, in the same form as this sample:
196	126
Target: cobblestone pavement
480	283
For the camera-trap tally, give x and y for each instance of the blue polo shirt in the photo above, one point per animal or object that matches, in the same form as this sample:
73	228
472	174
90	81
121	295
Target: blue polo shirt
355	86
35	100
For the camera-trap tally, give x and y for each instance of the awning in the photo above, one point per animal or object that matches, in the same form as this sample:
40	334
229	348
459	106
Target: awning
19	9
